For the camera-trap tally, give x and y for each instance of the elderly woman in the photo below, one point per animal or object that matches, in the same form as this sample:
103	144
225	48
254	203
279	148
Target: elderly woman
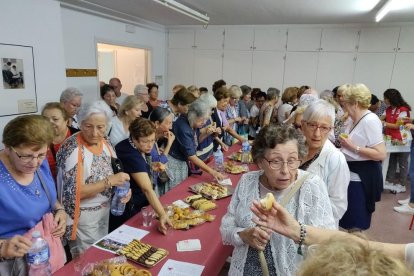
194	90
153	94
277	151
364	149
130	110
85	176
184	148
109	96
71	101
233	115
141	91
179	103
135	154
289	99
323	158
28	194
59	119
268	110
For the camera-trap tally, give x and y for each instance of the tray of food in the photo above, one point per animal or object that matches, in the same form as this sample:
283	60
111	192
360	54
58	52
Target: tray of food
233	168
237	156
185	218
117	266
143	253
200	203
211	190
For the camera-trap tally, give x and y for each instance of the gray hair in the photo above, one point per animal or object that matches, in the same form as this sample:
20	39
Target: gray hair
198	109
319	109
96	107
140	88
69	93
235	91
325	94
209	99
272	93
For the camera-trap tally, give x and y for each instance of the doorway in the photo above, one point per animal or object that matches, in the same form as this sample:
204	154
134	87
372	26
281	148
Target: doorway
130	65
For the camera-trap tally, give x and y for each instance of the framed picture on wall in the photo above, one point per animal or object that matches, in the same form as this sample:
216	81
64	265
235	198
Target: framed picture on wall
18	80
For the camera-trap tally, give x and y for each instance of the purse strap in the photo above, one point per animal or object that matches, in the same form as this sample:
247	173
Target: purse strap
39	174
294	189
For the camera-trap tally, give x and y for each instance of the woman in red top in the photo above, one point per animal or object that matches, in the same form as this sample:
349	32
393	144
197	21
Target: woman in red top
59	119
397	110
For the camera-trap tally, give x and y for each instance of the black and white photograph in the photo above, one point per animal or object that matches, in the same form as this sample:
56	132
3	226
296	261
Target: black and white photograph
13	73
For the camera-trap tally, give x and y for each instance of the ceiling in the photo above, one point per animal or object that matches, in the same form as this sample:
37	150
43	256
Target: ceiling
251	12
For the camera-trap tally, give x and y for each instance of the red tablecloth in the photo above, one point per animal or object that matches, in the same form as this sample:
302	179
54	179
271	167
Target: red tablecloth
213	253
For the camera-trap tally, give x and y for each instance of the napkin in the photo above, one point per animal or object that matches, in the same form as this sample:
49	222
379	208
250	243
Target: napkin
225	182
189	245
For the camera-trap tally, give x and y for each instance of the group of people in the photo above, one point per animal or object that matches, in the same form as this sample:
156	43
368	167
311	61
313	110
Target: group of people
321	157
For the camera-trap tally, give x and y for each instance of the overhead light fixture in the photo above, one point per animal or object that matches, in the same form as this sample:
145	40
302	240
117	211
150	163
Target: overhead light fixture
184	10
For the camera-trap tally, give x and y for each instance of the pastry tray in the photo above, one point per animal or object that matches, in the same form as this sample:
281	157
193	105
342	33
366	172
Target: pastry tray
197	189
142	253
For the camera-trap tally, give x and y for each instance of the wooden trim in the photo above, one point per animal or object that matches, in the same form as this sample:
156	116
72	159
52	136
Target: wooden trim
71	72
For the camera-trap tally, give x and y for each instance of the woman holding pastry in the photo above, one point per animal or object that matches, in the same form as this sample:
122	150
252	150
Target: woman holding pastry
277	151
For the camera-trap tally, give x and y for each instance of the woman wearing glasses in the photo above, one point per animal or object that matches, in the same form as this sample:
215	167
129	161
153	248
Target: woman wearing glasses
323	158
364	149
277	151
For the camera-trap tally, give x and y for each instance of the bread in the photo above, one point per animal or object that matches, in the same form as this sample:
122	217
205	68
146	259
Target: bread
267	201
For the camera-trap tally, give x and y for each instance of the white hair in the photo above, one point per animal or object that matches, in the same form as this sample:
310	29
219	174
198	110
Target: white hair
312	92
319	109
96	107
69	93
209	99
140	88
198	109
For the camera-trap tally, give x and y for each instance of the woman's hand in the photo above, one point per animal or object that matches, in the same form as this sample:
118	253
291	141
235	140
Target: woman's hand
127	198
409	126
256	237
164	224
158	167
217	175
118	179
346	142
276	219
60	221
15	247
170	136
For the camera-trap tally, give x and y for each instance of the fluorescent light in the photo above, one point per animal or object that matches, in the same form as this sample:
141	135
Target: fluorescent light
184	10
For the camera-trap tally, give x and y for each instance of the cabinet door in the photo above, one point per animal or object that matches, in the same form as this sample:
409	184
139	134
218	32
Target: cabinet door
334	69
238	38
300	69
339	39
270	39
267	69
374	70
304	39
402	76
180	39
208	67
180	67
209	39
406	41
378	39
237	67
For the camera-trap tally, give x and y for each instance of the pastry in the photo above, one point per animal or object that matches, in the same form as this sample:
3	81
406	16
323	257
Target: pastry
267	201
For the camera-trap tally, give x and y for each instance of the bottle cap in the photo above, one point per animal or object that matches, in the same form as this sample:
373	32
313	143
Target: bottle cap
36	234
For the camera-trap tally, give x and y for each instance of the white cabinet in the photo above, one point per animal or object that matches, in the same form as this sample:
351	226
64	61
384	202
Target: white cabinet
304	39
270	39
339	39
180	67
209	39
378	39
208	67
334	69
237	67
267	69
300	69
181	39
402	77
374	70
406	41
238	39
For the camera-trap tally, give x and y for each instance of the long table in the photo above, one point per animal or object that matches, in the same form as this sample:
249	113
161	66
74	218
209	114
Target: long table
213	253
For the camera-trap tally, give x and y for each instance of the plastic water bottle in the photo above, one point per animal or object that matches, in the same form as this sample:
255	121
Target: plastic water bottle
117	207
245	152
219	159
38	256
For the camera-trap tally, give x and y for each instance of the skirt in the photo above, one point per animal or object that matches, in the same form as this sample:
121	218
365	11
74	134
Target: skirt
178	169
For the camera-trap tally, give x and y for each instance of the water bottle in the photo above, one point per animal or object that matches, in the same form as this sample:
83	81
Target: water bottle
219	159
117	207
245	157
38	256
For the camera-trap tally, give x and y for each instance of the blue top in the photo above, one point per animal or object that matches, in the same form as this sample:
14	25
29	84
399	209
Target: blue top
185	144
133	162
205	147
22	207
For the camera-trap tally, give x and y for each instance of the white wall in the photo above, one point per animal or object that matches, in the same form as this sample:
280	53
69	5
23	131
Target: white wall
82	31
38	24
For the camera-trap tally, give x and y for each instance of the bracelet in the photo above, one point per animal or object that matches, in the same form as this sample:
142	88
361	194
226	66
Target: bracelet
107	183
302	237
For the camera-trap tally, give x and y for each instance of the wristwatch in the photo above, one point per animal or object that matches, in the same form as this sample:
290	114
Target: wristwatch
357	149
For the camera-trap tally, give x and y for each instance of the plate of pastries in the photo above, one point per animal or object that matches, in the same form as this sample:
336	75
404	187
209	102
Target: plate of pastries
234	168
185	218
143	253
117	266
212	190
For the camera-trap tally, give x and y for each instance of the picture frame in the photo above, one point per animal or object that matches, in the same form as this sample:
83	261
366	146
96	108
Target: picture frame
18	80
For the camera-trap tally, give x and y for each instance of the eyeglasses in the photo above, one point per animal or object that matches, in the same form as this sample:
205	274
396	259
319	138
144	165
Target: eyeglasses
292	164
314	127
146	142
29	158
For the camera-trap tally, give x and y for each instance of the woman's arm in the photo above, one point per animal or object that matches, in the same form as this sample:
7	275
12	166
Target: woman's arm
377	152
199	163
92	189
14	247
170	137
233	133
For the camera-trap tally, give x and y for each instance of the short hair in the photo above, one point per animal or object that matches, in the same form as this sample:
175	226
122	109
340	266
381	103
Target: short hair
203	90
151	85
159	114
261	94
245	90
209	99
177	87
318	110
141	127
344	256
140	89
272	135
198	109
235	91
58	106
289	94
217	85
114	79
272	93
221	93
96	107
129	103
326	94
183	97
105	89
374	99
69	93
30	130
395	98
357	93
302	90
